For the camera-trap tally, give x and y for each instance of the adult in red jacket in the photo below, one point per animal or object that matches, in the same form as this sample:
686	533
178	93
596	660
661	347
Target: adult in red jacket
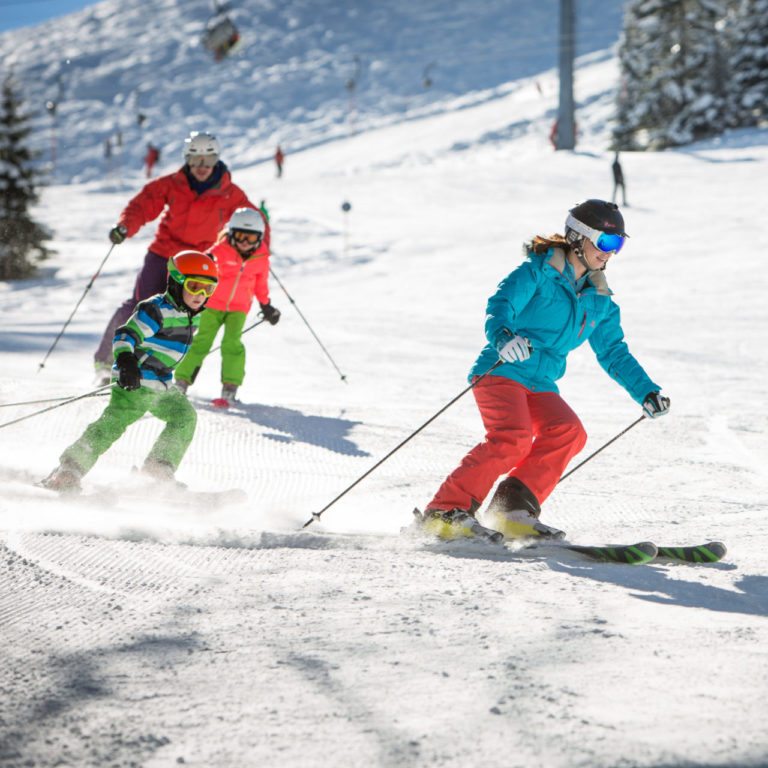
242	258
196	202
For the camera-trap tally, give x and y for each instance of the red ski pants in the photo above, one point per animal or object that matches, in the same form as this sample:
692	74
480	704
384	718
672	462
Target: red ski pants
529	435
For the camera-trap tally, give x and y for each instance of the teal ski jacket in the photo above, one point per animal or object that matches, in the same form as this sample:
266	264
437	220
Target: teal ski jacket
540	300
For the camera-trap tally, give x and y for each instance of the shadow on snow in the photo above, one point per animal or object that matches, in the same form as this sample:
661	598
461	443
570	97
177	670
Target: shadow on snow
292	426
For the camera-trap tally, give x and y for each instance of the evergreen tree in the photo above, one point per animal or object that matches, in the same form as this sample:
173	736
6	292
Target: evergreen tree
673	73
700	71
21	238
643	52
748	101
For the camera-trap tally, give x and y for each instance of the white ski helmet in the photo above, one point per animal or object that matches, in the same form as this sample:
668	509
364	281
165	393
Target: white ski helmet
201	143
246	220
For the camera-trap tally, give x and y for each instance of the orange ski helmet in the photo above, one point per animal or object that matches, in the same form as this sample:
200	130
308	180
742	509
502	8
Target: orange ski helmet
192	264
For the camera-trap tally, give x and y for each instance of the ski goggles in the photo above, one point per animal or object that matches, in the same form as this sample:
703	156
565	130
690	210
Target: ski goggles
197	286
202	161
603	241
252	238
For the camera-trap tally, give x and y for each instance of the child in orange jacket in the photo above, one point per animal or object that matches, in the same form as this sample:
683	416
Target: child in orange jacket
242	258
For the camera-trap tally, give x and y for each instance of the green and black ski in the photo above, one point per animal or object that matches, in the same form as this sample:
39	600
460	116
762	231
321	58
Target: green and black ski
642	553
711	552
631	554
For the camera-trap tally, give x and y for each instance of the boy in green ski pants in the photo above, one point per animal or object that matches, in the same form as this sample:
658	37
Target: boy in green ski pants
146	350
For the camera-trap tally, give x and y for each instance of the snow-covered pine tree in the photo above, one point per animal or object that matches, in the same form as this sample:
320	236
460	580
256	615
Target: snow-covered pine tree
673	73
700	68
748	59
21	238
643	52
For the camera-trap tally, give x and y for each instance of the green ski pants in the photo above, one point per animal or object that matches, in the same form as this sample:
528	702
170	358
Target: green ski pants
126	407
232	347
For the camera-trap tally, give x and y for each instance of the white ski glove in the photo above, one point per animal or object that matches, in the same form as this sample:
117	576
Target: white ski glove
655	405
517	349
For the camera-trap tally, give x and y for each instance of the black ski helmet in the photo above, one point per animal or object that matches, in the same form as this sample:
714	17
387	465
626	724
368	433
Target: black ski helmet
600	215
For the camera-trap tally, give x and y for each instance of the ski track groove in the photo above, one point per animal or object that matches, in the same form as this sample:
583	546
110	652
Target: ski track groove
181	618
408	478
129	649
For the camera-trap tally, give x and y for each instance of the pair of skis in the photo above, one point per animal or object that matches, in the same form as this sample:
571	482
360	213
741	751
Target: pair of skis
641	553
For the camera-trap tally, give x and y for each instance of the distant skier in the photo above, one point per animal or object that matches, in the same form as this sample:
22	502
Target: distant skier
145	351
194	202
151	158
243	261
618	180
279	159
554	134
551	304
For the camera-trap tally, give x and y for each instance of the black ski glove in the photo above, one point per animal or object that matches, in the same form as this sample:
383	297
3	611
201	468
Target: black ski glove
271	314
655	405
117	234
130	376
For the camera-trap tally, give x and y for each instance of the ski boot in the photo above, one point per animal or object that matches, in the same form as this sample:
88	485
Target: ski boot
64	479
182	386
162	472
514	511
455	524
228	396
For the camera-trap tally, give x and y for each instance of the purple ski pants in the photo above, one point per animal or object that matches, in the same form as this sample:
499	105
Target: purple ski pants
152	279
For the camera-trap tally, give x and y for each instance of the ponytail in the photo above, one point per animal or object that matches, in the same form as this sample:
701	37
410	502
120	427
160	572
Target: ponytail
541	244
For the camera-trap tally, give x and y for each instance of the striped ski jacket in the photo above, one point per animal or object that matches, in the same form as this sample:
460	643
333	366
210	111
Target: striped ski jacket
159	334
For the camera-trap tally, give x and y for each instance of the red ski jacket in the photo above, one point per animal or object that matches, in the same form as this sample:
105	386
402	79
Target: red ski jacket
239	279
190	220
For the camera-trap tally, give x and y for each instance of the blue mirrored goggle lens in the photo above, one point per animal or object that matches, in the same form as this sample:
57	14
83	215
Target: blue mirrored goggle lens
608	243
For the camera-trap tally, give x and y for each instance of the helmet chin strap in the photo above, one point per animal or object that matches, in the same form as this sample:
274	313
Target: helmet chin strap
579	248
577	245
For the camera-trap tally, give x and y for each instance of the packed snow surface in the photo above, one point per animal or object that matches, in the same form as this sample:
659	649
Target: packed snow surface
156	631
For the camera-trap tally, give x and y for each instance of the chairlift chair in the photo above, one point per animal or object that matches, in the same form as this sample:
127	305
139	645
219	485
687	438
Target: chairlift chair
221	36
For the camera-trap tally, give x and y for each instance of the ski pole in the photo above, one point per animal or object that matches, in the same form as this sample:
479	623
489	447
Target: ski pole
602	448
316	515
48	400
69	319
258	322
50	408
301	315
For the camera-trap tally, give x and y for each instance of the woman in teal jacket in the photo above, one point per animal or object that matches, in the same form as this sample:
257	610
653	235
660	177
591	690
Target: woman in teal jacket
548	306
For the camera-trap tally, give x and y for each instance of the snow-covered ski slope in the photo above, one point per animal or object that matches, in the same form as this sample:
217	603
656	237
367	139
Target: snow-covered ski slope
162	634
307	72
